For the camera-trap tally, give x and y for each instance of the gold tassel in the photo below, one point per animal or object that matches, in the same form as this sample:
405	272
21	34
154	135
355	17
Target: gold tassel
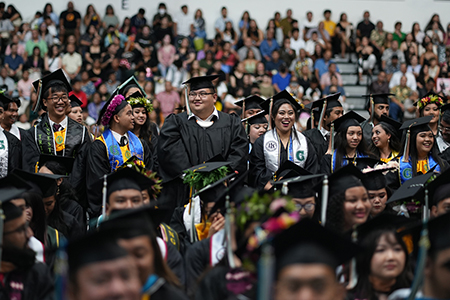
270	113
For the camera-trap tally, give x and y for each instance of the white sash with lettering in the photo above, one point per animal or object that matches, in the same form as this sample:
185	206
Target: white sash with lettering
3	154
272	150
216	247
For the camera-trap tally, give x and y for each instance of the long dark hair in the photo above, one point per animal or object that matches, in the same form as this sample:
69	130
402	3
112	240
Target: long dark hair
38	222
414	155
394	142
364	288
145	132
341	147
335	213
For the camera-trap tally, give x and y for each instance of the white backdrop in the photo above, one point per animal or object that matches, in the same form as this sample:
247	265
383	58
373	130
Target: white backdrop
390	11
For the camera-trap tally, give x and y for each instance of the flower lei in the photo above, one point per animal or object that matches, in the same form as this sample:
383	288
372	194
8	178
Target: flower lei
430	99
143	101
111	108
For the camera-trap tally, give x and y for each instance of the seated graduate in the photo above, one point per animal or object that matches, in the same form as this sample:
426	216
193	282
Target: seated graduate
250	106
255	126
383	267
283	142
377	105
23	277
430	105
307	256
76	112
443	137
65	195
11	109
386	139
100	269
135	229
113	148
10	147
348	143
55	134
377	188
348	201
439	194
420	154
55	216
329	109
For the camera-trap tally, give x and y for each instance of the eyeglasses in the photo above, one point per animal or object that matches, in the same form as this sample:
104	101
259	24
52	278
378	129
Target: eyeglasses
202	95
20	229
307	206
56	99
444	129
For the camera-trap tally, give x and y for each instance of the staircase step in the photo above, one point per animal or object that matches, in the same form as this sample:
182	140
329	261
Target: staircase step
347	67
356	104
350	79
355	90
337	58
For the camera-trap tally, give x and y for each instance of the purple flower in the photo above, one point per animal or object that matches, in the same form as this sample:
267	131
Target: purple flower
111	108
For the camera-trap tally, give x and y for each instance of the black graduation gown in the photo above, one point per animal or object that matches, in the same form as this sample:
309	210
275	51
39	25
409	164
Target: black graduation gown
75	230
166	292
197	260
74	209
259	175
176	263
73	142
318	141
367	131
97	166
177	224
183	143
445	155
325	164
37	283
14	151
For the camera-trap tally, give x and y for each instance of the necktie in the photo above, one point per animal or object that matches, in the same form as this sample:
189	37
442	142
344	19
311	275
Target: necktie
56	127
123	141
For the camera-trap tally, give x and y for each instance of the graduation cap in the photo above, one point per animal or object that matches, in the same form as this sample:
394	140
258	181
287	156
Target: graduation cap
258	118
283	95
413	127
376	99
43	184
11	187
374	180
300	186
128	84
307	242
135	222
349	119
74	101
383	221
65	162
439	188
7	100
412	188
251	102
211	192
363	162
113	106
288	170
57	78
127	178
94	247
201	82
323	104
445	109
11	212
344	178
391	123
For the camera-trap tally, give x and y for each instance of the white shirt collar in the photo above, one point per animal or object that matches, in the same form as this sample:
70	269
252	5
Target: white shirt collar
208	119
324	132
117	136
63	122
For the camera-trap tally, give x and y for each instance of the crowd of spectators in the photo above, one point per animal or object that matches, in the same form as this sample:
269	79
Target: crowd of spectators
99	51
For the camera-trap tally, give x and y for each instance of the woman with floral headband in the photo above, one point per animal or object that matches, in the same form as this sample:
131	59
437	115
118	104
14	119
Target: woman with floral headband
114	147
430	105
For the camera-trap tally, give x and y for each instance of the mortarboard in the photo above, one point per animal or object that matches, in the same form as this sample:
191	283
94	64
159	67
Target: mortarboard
283	95
127	178
374	180
134	222
201	82
65	162
113	106
300	186
258	118
74	101
363	162
393	124
344	178
43	184
413	127
373	99
11	212
412	188
349	119
7	100
288	170
323	104
383	221
444	109
57	78
439	188
307	242
129	83
12	187
251	102
209	166
94	247
211	192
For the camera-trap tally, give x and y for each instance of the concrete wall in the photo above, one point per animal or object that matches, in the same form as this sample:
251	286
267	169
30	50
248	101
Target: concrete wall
390	11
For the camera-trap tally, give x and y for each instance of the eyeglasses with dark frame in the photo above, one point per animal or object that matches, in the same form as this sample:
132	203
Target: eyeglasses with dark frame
307	206
202	95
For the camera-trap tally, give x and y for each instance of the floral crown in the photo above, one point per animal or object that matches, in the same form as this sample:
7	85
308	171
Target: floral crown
430	99
142	101
111	108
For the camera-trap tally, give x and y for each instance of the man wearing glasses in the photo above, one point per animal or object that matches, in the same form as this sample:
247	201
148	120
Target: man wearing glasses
55	134
196	136
443	137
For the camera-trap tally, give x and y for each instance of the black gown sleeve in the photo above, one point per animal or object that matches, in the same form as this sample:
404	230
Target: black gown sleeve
312	162
259	175
239	146
78	176
14	152
31	154
39	283
97	166
197	261
148	156
325	164
176	263
172	155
